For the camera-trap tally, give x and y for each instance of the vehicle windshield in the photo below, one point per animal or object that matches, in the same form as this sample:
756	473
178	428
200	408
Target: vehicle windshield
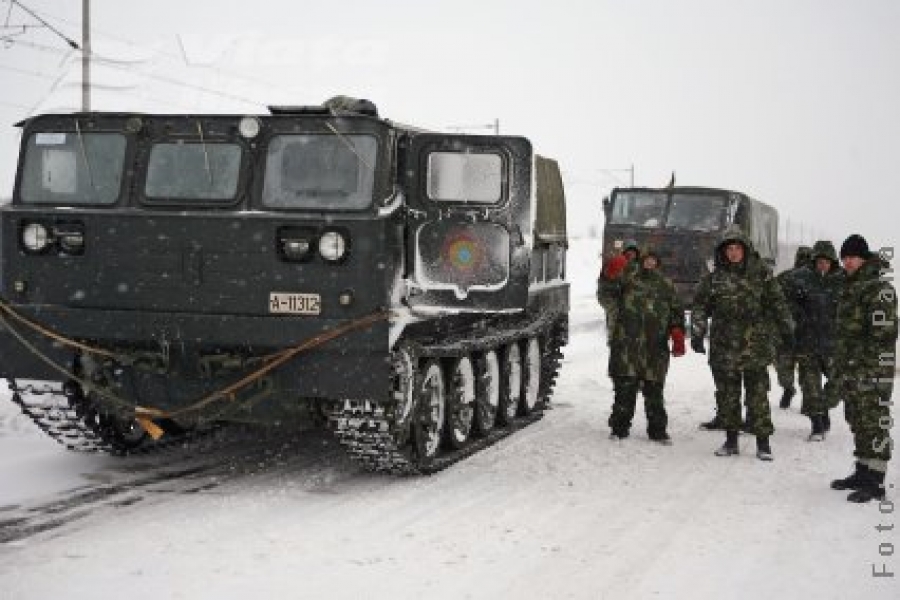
69	168
644	209
193	171
332	171
697	212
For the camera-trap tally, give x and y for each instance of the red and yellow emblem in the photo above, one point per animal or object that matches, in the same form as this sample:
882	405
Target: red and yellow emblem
463	252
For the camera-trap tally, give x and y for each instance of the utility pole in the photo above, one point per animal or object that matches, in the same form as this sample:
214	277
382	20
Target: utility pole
85	55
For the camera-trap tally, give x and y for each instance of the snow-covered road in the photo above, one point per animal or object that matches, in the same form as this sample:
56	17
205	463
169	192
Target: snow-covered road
555	511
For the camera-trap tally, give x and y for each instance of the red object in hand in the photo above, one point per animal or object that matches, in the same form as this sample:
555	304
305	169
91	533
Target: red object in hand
677	335
616	266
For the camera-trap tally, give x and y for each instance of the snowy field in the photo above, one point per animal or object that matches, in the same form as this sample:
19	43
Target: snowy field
555	511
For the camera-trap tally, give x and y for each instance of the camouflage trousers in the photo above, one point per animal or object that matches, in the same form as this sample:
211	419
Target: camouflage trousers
785	366
625	399
867	408
728	399
817	398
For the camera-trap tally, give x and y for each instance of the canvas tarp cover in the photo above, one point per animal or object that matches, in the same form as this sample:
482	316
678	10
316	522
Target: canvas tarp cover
550	222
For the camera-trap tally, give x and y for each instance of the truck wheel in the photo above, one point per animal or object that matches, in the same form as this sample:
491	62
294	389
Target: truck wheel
510	383
428	428
531	375
487	392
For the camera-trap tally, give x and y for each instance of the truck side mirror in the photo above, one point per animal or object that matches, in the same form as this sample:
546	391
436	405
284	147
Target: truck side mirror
607	206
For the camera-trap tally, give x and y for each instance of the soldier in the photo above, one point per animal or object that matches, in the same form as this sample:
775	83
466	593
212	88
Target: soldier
648	315
607	283
813	294
740	298
785	359
864	363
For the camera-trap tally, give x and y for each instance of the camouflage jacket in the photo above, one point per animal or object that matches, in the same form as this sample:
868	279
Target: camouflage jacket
786	279
814	297
866	338
646	308
743	304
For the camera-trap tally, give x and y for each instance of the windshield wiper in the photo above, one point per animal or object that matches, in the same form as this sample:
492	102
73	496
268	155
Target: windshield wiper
205	155
84	156
349	144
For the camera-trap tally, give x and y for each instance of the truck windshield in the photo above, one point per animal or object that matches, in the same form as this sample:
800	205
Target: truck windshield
644	209
332	171
196	171
697	212
70	168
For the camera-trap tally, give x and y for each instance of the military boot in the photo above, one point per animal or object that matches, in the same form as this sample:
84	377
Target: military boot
853	481
763	449
871	488
818	429
660	437
618	434
786	397
730	447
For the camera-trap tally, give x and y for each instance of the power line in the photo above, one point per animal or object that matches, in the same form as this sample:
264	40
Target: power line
26	72
60	34
178	59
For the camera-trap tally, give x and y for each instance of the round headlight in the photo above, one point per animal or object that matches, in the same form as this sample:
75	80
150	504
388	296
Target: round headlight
35	237
332	246
249	127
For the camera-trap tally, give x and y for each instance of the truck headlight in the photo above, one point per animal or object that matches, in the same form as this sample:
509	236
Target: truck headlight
35	237
332	246
71	240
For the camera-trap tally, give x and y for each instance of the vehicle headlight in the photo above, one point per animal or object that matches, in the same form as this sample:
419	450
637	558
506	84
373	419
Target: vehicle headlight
249	127
35	237
71	240
332	246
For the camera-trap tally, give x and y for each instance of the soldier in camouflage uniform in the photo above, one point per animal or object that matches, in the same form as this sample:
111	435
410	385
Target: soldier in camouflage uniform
739	301
864	363
648	315
812	291
785	359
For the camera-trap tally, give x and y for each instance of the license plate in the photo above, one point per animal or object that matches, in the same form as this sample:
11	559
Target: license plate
295	304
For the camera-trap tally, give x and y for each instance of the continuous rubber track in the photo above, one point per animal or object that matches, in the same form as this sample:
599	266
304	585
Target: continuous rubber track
367	434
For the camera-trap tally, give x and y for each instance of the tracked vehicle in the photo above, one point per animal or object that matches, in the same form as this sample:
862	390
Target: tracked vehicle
163	274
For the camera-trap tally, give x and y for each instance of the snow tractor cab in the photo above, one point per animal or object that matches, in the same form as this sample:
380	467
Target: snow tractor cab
163	273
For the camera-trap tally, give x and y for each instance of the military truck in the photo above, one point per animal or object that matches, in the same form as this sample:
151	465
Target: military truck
164	274
684	224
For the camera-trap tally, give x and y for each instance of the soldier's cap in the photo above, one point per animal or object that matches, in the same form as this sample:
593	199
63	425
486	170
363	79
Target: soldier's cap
824	249
855	245
631	245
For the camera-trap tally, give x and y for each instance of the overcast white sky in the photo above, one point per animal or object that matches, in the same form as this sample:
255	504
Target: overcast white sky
796	102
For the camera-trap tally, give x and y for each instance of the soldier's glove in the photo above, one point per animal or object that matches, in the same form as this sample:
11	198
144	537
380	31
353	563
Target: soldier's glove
677	335
615	266
697	344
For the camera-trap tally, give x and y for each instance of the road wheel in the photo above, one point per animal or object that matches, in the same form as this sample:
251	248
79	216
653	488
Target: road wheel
510	383
428	427
460	402
487	392
531	375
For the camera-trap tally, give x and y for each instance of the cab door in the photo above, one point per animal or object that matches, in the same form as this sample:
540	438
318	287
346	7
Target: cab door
469	222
